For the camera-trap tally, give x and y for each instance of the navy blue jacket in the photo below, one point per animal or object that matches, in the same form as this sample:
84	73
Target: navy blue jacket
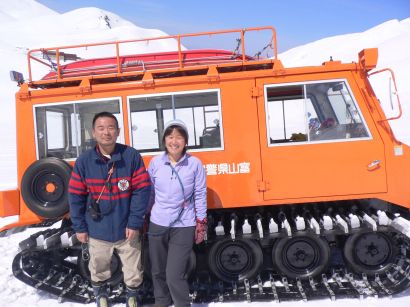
124	200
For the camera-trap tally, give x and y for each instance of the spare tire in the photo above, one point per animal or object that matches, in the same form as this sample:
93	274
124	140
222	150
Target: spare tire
44	187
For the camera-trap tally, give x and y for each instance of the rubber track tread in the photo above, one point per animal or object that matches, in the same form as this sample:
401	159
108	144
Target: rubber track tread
50	271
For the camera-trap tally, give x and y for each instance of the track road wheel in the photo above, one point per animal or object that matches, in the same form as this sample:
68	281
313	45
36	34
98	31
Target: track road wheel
302	255
44	187
235	260
370	252
116	269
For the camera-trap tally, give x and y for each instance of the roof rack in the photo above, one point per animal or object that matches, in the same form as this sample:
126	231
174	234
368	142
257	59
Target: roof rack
123	64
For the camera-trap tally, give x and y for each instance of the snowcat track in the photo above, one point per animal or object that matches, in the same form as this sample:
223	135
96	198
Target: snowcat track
47	262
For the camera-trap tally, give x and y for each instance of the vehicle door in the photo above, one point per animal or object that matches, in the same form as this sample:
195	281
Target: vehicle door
316	142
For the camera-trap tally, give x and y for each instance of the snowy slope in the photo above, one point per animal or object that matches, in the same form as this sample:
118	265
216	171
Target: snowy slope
19	10
26	25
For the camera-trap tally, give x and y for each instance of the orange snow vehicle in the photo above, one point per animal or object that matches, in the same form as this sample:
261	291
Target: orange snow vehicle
307	184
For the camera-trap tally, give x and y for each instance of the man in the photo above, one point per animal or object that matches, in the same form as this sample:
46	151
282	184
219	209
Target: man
108	194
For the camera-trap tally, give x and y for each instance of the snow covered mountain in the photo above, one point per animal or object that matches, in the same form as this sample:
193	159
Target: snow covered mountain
18	10
25	25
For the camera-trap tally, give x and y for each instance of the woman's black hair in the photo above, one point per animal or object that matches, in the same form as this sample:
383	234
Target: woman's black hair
181	131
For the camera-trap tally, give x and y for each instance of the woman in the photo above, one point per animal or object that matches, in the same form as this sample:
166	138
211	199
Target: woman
178	215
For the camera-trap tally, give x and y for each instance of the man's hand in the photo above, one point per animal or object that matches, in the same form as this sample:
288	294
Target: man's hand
82	237
131	234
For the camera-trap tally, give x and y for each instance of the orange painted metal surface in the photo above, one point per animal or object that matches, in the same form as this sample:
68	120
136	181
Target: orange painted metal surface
10	201
288	174
368	58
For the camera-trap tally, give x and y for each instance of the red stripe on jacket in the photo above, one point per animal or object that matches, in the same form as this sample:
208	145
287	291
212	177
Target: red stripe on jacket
77	191
139	171
99	181
115	197
113	190
76	185
140	178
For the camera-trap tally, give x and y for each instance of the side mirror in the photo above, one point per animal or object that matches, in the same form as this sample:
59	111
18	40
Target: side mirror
16	76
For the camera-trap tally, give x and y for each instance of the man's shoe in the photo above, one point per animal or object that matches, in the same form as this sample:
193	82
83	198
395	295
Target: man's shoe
131	299
102	301
101	295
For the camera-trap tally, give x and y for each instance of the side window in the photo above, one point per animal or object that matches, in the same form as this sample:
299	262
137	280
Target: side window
312	112
337	115
285	114
65	130
200	112
55	130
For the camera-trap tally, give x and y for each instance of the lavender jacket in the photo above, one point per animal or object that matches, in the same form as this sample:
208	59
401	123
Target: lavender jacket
166	193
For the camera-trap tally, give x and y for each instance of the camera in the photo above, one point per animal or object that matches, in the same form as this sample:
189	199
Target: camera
94	209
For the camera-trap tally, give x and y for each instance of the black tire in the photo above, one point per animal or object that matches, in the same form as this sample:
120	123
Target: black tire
116	269
302	256
44	187
190	268
370	252
235	260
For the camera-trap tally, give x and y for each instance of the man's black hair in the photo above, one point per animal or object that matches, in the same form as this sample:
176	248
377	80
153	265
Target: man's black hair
104	114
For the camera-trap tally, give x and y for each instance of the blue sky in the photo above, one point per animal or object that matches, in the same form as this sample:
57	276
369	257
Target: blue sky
297	22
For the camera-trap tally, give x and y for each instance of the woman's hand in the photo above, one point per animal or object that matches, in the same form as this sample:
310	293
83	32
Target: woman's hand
200	230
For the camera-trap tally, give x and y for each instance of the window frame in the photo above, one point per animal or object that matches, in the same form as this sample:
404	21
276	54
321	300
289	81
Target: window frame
119	98
150	153
308	141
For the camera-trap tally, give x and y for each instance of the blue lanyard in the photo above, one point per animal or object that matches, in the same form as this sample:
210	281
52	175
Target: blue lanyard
186	200
181	210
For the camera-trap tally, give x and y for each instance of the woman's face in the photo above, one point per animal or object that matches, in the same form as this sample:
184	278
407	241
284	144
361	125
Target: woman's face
175	143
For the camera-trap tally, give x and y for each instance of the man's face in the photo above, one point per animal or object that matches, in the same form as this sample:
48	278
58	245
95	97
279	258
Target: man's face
105	131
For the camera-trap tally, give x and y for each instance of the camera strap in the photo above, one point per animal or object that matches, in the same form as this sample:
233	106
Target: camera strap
106	183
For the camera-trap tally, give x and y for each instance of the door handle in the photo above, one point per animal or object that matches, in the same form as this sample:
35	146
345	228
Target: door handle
374	165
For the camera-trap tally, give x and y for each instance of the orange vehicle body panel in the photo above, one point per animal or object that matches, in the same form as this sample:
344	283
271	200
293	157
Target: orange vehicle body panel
10	201
286	174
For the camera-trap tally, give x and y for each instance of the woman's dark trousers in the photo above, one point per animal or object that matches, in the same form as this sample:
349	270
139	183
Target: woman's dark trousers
169	253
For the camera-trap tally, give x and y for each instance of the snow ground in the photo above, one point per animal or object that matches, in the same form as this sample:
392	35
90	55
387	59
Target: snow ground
14	293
